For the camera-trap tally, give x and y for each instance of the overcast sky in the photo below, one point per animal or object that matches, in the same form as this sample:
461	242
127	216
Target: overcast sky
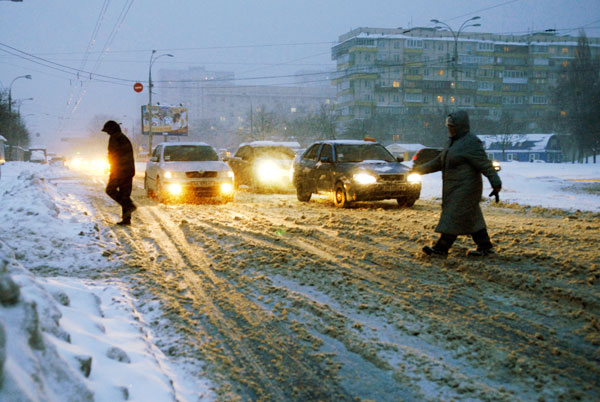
260	38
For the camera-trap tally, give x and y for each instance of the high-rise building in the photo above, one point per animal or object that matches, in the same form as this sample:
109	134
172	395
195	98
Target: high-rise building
410	72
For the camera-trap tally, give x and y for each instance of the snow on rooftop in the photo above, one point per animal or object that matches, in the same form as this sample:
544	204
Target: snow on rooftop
540	140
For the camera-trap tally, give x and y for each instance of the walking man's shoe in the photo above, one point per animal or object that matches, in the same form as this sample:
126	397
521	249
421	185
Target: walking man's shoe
435	251
128	211
125	222
483	252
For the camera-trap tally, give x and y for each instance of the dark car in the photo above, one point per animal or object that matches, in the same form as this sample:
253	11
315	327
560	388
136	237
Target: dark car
352	171
426	154
263	166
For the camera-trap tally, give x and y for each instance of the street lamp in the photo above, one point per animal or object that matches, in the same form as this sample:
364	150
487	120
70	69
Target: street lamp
152	61
28	76
456	35
21	103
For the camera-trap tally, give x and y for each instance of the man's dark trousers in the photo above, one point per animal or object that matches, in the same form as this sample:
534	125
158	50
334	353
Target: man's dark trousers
119	189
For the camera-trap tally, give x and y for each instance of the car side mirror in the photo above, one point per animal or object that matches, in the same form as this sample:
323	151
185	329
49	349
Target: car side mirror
154	159
400	158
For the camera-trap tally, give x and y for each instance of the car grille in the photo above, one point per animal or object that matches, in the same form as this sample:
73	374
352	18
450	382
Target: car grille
200	175
393	177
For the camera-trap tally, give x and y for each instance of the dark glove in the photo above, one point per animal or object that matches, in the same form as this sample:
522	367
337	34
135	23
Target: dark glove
495	192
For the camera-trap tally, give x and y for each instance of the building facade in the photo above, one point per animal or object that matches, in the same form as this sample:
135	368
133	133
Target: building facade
400	72
523	147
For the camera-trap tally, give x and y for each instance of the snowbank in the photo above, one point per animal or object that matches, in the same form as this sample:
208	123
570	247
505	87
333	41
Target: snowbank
64	338
548	185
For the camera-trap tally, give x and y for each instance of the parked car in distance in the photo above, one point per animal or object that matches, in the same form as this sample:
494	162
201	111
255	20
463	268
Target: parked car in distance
353	170
38	155
181	171
426	154
263	166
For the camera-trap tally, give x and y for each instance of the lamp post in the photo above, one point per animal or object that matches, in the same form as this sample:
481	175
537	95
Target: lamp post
152	61
28	76
21	103
456	35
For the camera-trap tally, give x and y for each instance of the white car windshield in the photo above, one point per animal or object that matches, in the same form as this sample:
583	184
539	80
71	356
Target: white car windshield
362	152
190	153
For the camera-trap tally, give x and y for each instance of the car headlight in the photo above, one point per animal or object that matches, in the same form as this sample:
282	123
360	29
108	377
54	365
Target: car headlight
226	188
174	188
268	171
414	178
364	178
168	175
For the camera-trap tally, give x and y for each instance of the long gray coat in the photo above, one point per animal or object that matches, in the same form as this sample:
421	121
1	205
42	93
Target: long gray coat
462	163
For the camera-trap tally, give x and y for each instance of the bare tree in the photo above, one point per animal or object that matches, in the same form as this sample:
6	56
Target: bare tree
578	97
506	137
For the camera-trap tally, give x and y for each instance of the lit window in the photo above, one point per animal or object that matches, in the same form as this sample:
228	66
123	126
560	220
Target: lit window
452	99
563	113
564	50
293	110
565	63
506	49
396	84
440	99
441	72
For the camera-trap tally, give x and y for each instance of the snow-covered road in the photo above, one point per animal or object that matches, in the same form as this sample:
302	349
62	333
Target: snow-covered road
269	298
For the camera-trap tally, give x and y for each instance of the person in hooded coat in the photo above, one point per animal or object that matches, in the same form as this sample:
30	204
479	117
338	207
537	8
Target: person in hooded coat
122	170
462	163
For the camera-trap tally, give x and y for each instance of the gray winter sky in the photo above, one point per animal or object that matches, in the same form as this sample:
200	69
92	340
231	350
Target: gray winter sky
113	39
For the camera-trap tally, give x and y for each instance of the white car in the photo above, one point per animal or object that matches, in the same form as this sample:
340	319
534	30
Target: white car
187	170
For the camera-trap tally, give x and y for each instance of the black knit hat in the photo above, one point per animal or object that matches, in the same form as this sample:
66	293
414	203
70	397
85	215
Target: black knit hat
111	127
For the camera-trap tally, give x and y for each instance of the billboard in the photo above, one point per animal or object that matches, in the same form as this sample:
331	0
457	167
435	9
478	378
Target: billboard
166	120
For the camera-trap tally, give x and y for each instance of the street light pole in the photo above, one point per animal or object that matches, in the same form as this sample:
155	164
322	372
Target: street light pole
21	103
152	61
456	35
28	76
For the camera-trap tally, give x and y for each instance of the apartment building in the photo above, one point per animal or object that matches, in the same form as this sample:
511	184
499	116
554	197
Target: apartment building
414	71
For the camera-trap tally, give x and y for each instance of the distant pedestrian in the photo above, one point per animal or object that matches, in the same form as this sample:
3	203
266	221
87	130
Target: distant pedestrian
122	170
462	163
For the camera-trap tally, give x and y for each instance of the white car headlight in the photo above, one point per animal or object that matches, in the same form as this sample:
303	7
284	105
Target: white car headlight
226	188
267	171
364	178
174	189
414	178
168	175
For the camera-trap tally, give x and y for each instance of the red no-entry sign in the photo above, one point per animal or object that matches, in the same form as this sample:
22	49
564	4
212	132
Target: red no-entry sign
138	87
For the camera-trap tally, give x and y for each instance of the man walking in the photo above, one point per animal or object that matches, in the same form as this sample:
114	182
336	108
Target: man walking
462	163
122	170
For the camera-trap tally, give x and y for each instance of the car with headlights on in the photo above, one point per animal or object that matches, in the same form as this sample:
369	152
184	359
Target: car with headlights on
263	166
181	171
353	170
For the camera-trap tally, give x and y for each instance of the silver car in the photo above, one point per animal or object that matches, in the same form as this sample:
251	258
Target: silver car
187	170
